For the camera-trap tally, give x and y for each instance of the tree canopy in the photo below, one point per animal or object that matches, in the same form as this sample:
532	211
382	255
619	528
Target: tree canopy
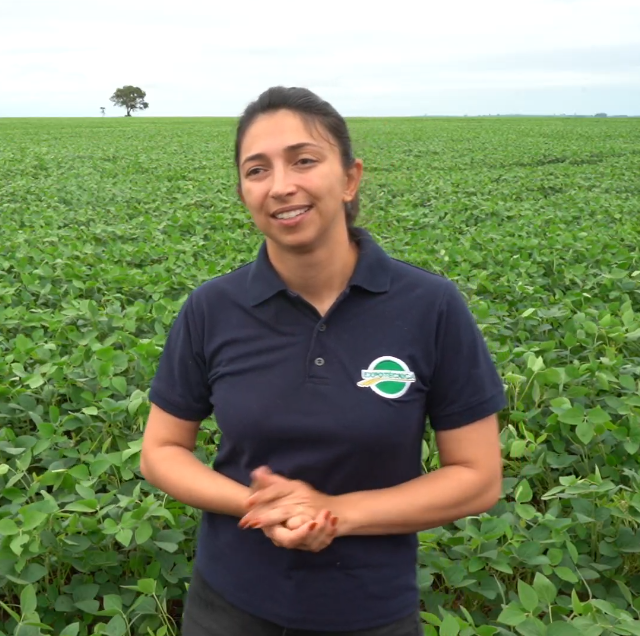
130	97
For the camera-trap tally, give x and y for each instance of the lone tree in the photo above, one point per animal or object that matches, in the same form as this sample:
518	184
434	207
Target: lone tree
131	98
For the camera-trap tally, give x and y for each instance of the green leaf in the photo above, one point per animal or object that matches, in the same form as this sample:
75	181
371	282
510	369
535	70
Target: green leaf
8	527
91	607
576	604
598	416
143	532
545	589
54	416
17	543
32	518
119	384
71	630
112	602
628	627
169	547
555	556
535	363
449	626
87	505
527	595
35	381
627	540
116	626
525	511
572	550
585	431
573	416
501	566
511	615
566	574
23	343
432	619
518	448
28	600
6	608
562	628
85	592
64	604
124	536
532	627
33	572
523	492
147	586
553	375
627	382
626	592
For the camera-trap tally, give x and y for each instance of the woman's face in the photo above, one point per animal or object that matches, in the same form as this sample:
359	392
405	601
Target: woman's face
293	182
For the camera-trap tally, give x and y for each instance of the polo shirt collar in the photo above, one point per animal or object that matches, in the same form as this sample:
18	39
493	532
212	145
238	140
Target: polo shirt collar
372	272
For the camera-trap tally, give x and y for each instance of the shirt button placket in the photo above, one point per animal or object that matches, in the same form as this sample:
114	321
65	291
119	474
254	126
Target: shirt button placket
318	368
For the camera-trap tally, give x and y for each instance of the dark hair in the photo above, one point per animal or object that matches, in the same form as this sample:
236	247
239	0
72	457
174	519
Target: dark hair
313	110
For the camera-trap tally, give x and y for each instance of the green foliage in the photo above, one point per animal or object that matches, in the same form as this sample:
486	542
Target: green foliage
106	230
130	97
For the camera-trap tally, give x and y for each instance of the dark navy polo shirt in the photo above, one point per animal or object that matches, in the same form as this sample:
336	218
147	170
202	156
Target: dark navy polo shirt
339	402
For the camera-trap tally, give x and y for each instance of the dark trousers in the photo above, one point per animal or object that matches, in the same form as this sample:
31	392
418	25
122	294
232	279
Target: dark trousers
208	614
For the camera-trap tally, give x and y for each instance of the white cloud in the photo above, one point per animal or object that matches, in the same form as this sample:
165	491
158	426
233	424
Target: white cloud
195	58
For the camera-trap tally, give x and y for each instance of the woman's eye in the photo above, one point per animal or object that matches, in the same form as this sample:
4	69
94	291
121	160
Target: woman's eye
252	172
306	161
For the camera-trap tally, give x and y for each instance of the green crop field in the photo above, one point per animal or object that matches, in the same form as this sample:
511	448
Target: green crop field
107	225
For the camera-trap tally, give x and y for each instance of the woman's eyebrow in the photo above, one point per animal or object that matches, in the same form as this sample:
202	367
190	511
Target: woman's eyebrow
260	156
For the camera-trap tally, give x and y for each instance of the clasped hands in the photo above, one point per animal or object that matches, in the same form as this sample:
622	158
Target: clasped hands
290	512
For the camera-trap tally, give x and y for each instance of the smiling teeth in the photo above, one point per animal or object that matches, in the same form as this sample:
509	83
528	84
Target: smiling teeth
292	213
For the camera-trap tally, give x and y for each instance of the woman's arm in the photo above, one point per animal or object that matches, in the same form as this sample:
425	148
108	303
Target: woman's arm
168	463
469	482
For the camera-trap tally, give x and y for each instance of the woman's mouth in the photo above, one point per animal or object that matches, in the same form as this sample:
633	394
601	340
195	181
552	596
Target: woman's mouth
292	215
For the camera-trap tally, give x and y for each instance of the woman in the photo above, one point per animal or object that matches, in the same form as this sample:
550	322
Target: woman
322	360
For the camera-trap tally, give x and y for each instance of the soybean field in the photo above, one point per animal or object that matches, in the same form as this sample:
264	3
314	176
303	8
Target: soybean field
106	225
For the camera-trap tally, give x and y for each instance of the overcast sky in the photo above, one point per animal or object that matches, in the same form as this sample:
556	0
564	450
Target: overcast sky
373	57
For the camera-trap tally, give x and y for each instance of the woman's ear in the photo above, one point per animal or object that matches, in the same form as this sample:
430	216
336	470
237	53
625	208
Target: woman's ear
354	176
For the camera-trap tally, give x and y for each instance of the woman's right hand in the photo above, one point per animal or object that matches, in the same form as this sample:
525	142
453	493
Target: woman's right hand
302	532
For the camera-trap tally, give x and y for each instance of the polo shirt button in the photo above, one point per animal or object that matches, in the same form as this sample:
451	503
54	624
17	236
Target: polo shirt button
319	362
322	327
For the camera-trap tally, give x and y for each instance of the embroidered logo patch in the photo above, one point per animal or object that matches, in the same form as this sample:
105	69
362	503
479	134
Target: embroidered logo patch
387	376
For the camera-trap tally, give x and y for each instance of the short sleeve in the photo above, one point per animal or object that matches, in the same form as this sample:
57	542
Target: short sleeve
180	385
465	385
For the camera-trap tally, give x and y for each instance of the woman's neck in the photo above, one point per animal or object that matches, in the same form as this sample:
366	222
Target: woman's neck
319	275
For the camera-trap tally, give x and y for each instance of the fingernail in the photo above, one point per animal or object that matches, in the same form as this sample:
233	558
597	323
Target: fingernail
327	515
254	525
313	526
334	522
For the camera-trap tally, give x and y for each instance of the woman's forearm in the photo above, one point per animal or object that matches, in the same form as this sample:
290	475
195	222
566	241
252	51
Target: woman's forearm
179	473
429	501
